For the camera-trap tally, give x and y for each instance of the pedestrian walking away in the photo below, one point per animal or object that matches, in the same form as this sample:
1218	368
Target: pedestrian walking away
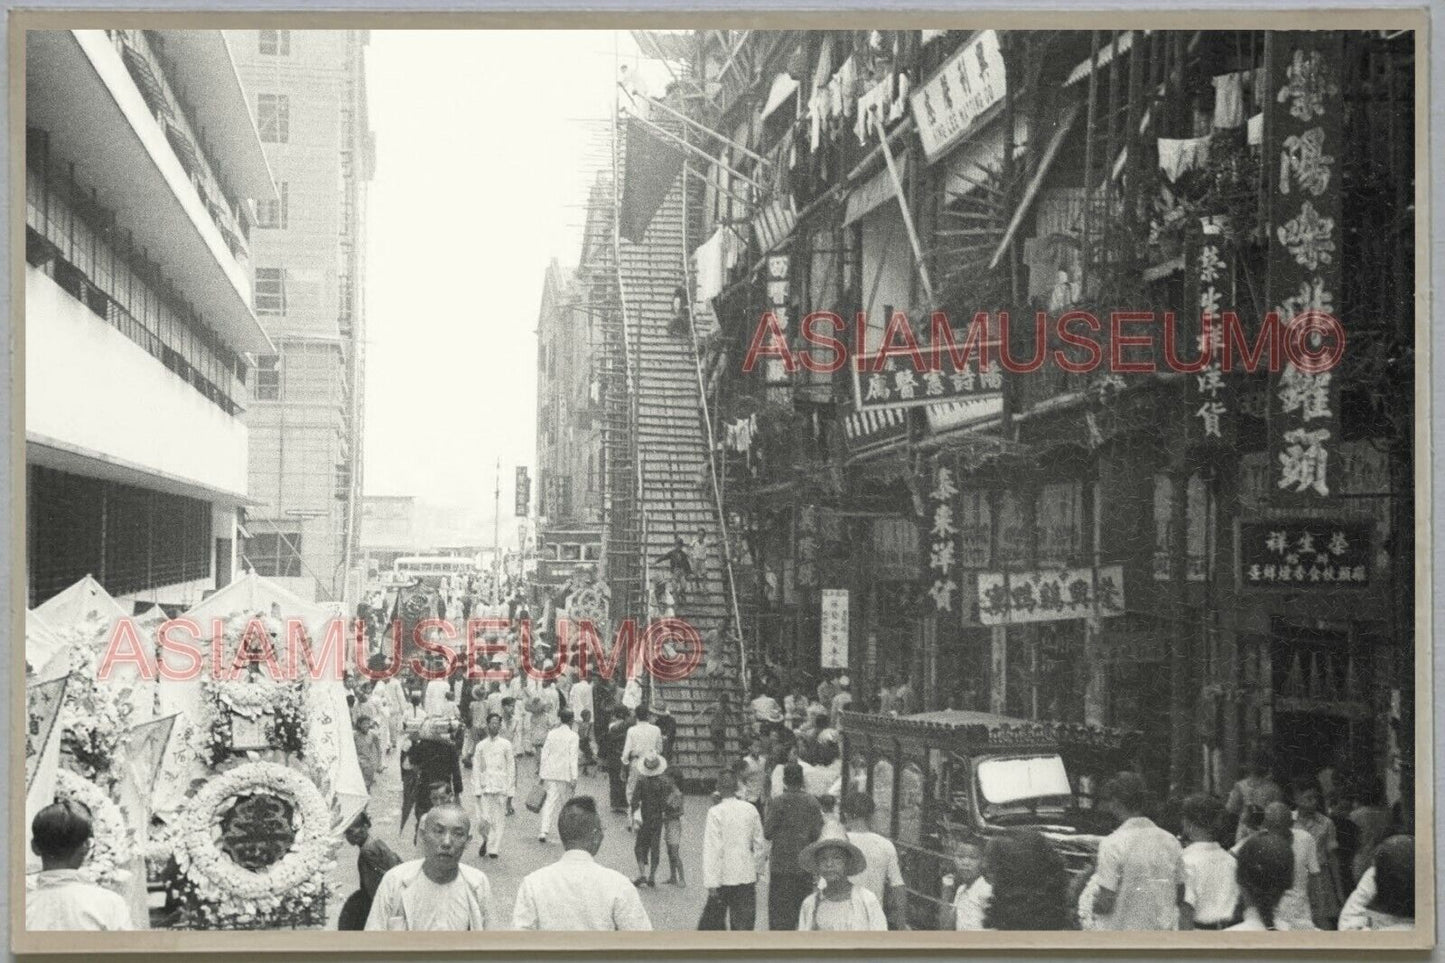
576	892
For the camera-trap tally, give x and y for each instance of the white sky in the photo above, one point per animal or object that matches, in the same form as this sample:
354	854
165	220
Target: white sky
481	149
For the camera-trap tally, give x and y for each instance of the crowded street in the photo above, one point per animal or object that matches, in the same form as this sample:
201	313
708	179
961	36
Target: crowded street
828	480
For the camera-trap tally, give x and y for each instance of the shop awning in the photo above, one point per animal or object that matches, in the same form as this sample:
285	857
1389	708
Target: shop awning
878	189
1106	54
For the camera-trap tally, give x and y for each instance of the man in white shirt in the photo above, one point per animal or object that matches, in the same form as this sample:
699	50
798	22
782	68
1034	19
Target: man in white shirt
59	899
1141	867
436	892
643	739
1295	906
575	893
733	853
435	701
579	700
884	876
1212	888
494	781
557	768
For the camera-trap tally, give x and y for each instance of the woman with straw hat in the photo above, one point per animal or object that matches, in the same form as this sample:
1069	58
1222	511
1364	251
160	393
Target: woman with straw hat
652	793
837	903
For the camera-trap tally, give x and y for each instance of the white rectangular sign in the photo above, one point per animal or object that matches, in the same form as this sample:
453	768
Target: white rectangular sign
970	82
835	628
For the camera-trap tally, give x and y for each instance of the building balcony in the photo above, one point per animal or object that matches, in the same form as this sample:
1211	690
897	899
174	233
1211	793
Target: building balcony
112	117
137	421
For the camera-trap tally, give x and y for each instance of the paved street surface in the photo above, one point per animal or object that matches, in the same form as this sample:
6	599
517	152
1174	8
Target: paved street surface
670	907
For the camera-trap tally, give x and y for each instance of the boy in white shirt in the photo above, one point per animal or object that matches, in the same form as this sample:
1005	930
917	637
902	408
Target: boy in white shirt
1211	887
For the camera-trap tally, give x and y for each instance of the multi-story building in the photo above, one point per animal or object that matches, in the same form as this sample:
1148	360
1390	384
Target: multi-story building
307	91
569	436
141	167
1114	543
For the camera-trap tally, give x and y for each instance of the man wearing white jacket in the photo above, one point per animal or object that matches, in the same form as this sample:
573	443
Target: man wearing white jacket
557	768
494	781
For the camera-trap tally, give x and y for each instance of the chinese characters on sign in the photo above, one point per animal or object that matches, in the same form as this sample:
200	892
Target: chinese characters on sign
1303	553
835	628
1011	598
1209	395
523	493
970	82
940	534
900	385
1302	145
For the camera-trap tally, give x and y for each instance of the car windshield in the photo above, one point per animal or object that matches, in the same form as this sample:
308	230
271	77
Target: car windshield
1022	787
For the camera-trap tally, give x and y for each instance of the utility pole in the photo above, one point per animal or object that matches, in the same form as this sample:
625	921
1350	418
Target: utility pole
497	537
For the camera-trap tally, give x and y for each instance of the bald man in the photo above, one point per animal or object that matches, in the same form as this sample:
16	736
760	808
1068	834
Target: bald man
436	892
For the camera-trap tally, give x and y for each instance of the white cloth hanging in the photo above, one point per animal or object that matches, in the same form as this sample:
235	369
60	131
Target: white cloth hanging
711	264
1229	100
1256	129
1178	156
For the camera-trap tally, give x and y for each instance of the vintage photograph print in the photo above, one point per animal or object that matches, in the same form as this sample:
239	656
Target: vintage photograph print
840	477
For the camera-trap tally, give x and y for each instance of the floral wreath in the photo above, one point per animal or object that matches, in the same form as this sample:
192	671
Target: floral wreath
111	845
230	895
95	715
253	695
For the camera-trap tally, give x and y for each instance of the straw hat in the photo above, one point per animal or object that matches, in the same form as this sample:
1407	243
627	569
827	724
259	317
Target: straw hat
653	764
808	858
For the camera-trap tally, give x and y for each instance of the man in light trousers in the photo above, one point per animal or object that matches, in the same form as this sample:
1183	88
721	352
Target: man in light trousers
557	768
494	779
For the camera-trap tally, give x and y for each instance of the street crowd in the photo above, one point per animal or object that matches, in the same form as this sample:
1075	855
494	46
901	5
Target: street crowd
1327	855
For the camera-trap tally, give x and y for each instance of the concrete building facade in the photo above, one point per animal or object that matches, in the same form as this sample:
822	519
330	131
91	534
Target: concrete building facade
141	168
307	94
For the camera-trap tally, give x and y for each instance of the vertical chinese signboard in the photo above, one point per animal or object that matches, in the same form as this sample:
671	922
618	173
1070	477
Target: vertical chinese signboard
835	628
523	493
1302	152
940	534
1209	395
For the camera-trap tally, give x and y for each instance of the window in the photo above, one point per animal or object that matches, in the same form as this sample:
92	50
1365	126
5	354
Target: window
273	213
272	555
270	297
277	43
273	118
268	378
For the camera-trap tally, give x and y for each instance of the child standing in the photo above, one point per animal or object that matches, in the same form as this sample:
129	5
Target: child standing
368	749
1211	885
672	829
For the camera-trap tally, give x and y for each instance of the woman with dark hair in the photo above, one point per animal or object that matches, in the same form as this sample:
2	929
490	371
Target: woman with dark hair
1265	870
1371	818
1385	897
1029	883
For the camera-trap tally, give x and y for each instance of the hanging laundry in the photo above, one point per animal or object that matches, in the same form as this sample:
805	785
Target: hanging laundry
710	261
1178	156
1229	100
873	104
1256	129
847	79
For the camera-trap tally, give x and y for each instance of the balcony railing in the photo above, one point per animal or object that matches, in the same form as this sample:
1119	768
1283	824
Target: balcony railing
78	243
141	51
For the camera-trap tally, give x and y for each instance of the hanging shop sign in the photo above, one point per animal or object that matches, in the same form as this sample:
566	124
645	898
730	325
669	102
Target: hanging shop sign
940	534
1209	394
1303	144
835	628
523	493
953	99
1303	554
1013	598
901	385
